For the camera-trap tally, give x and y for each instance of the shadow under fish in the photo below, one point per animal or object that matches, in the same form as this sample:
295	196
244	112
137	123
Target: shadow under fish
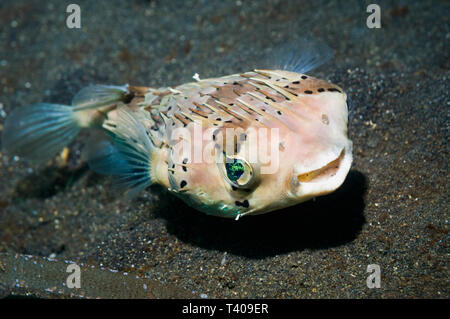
325	222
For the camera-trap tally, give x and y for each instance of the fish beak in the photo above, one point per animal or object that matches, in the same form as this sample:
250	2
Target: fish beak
325	179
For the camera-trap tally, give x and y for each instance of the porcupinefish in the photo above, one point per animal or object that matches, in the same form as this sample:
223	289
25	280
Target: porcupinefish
231	146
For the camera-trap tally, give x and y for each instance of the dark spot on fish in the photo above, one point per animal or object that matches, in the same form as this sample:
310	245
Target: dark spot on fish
229	121
154	128
257	120
296	82
286	86
231	104
111	125
308	92
183	183
214	137
321	90
128	97
263	110
218	119
334	90
245	203
173	165
304	77
184	168
169	108
279	112
185	161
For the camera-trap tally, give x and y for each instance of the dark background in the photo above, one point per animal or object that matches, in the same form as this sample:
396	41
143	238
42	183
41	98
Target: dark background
392	210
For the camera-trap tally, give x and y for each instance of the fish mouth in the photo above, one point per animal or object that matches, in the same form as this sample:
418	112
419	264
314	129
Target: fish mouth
327	171
327	178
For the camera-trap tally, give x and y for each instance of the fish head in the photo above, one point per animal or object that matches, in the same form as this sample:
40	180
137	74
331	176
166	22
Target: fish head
303	164
314	154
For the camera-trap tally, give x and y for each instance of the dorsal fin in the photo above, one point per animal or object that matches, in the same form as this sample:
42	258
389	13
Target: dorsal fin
300	56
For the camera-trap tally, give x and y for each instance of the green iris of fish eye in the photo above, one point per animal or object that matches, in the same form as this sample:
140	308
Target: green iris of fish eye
235	170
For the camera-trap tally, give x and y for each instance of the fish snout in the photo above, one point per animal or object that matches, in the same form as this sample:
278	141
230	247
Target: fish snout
323	180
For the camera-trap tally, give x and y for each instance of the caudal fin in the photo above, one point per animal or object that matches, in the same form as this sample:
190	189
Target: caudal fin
38	132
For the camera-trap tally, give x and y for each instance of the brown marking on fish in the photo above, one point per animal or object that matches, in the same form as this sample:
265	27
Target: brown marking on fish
138	90
134	103
215	112
199	112
313	85
181	119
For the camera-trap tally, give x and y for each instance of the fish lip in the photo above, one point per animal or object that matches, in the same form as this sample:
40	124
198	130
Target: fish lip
326	179
315	175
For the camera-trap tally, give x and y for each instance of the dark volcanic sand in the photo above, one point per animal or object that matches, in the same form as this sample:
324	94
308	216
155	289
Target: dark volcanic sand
392	210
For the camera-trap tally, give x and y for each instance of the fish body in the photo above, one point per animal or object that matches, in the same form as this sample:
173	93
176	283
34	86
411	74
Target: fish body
231	146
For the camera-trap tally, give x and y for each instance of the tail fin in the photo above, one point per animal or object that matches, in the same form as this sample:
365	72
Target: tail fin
38	132
127	156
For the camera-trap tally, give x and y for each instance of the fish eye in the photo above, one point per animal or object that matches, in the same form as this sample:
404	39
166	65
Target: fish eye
237	171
